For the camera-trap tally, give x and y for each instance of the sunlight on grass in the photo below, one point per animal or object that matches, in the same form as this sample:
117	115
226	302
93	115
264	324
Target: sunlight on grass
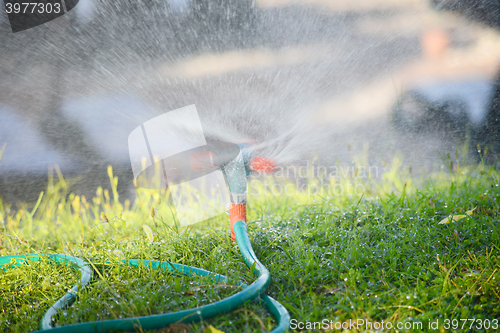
338	248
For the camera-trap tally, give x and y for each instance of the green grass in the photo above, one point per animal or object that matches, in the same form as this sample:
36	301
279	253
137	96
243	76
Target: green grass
377	256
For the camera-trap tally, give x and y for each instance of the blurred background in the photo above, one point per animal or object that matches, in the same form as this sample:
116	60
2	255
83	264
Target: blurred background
336	80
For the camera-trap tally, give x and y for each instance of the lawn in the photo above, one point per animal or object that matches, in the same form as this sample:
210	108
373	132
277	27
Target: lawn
409	251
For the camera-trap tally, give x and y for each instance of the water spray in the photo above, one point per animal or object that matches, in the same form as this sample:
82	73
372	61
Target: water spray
236	172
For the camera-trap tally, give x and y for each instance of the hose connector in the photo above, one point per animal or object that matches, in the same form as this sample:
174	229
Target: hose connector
237	212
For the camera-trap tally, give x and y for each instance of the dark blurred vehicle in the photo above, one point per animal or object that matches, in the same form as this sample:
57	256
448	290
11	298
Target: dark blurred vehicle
27	158
104	123
449	107
460	110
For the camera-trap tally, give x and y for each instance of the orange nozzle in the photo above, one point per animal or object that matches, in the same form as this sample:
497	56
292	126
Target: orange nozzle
261	164
237	212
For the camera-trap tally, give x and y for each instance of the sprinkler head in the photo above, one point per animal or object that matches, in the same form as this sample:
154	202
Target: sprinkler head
261	164
254	163
237	162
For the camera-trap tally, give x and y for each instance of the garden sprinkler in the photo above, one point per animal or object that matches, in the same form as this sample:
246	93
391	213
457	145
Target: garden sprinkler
237	162
236	171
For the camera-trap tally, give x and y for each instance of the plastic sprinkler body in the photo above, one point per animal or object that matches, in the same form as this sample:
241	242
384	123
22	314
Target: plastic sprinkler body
236	173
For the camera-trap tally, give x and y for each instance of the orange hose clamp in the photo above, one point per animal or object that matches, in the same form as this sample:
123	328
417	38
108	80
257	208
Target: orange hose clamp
237	212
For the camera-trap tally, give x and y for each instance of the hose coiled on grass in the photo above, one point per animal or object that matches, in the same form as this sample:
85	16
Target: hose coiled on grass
249	292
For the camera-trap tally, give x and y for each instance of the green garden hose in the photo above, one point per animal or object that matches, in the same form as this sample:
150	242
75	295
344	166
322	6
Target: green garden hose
228	304
70	296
